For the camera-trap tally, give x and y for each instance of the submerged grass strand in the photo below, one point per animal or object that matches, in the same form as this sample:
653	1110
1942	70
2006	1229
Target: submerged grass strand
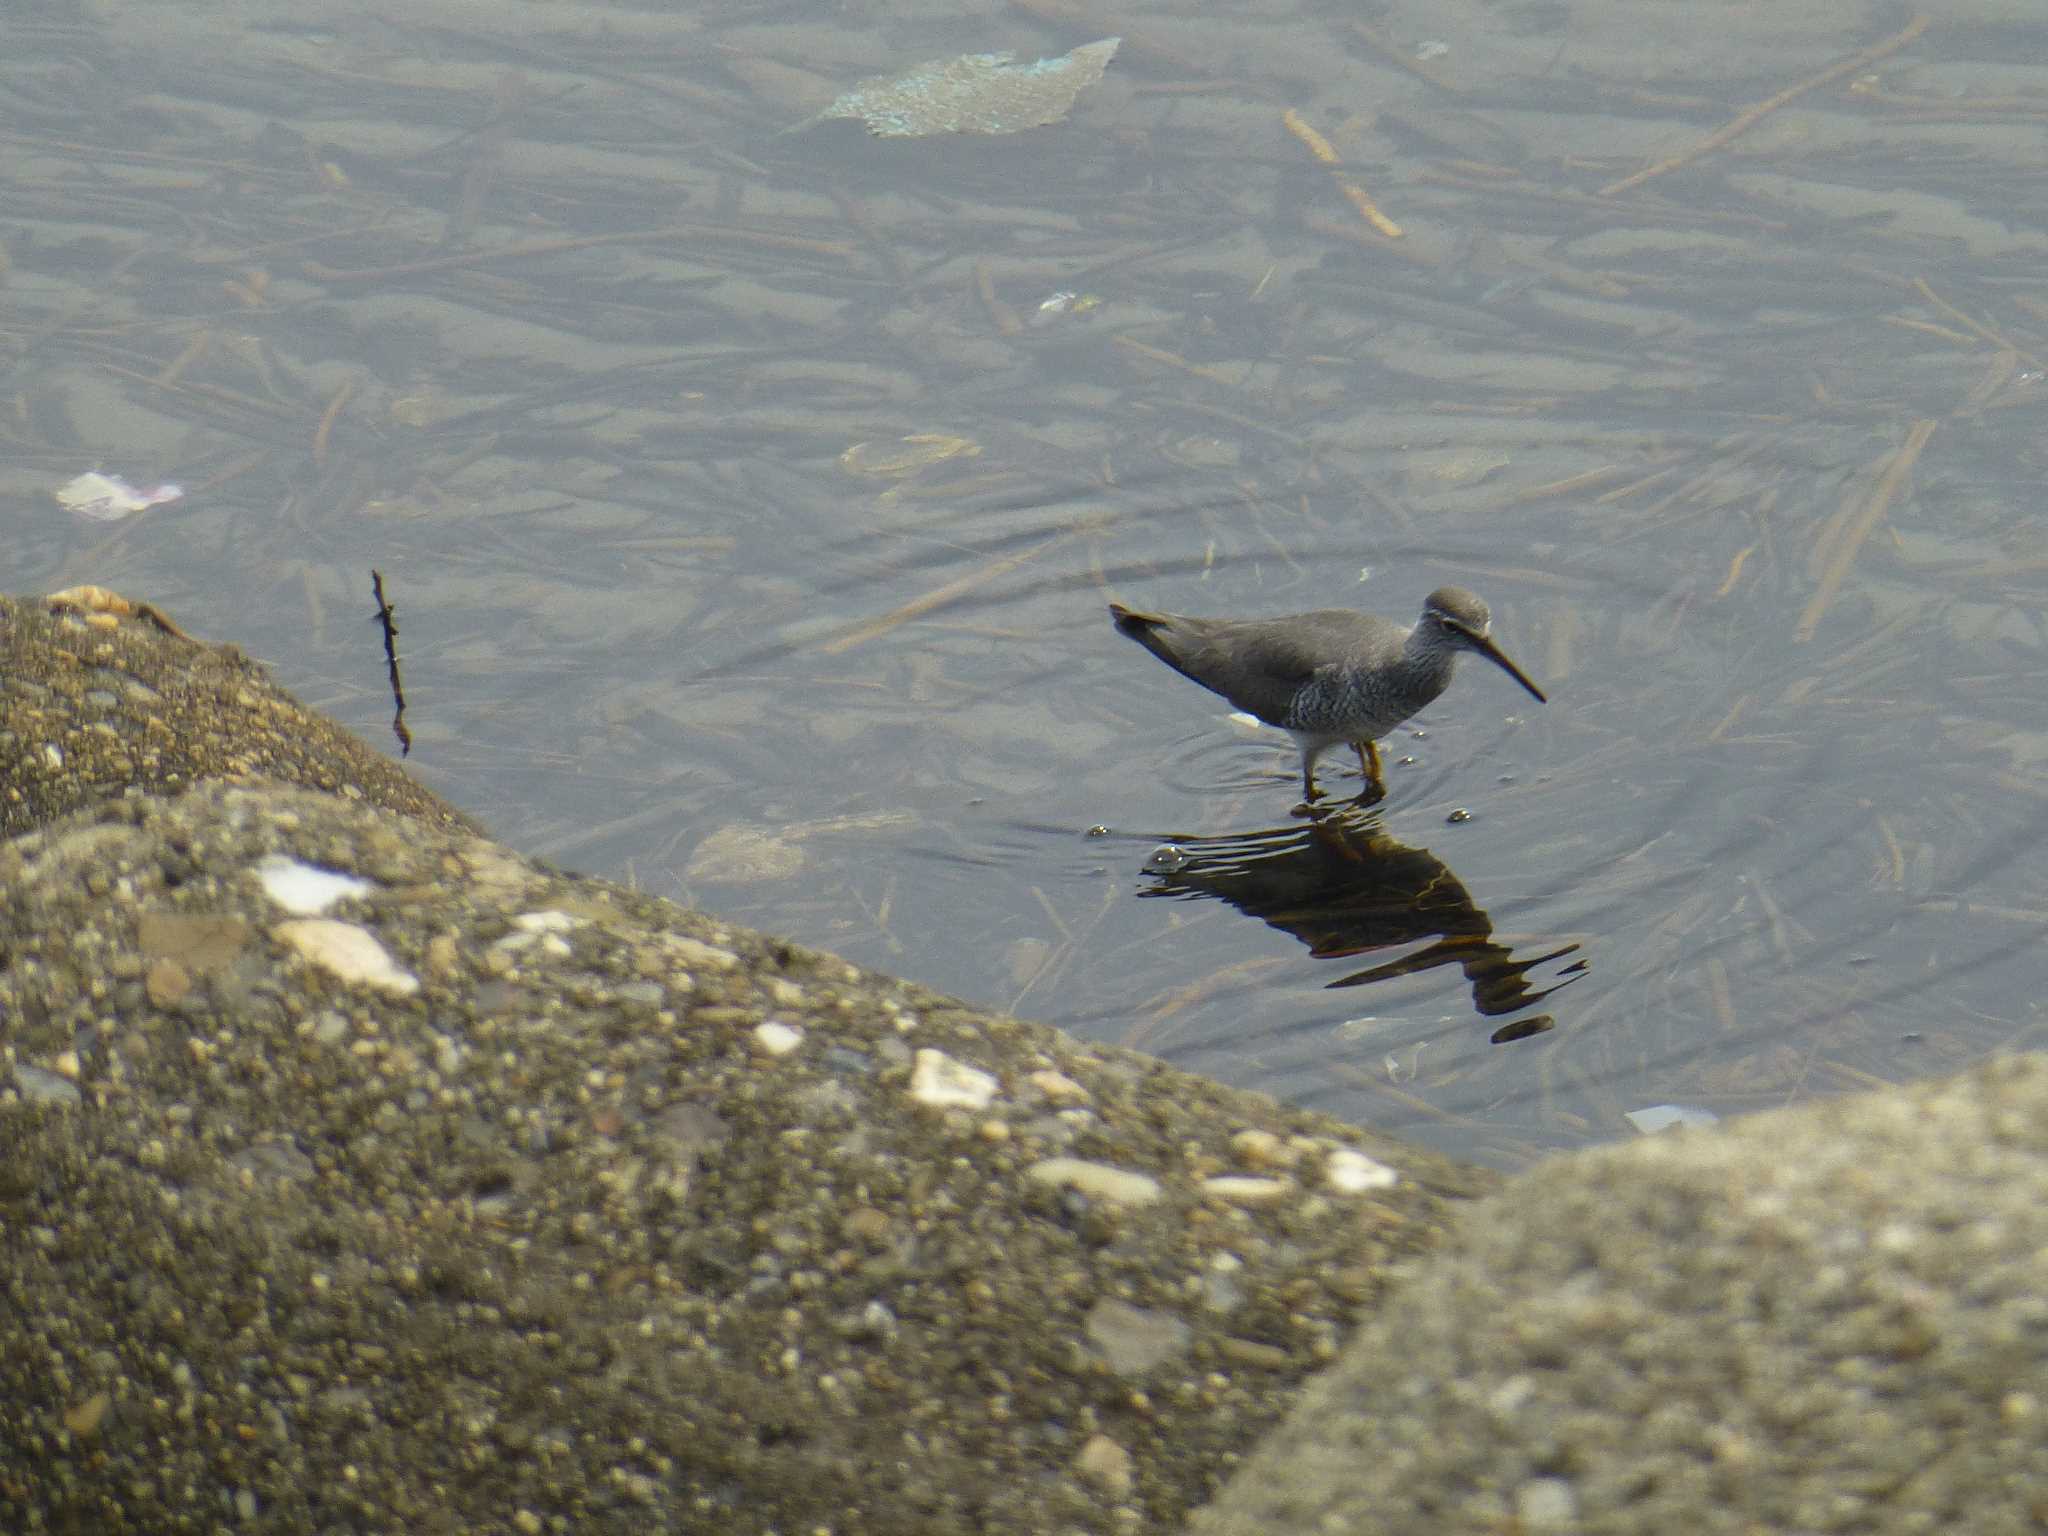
935	599
1867	518
1749	117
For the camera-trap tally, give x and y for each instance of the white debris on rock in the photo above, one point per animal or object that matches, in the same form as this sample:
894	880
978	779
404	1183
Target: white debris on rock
306	889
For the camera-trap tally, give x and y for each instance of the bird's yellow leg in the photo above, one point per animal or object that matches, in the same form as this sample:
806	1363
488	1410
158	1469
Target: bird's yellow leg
1369	760
1308	784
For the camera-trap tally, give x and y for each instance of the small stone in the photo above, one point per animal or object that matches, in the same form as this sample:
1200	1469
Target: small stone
1134	1340
1241	1189
704	956
775	1038
1259	1149
943	1083
167	982
1256	1353
867	1225
1547	1504
1058	1087
1351	1172
40	1086
349	951
443	958
83	1419
549	921
1106	1464
1119	1186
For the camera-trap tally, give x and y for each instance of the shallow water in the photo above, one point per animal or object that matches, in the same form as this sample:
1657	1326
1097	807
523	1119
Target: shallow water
751	502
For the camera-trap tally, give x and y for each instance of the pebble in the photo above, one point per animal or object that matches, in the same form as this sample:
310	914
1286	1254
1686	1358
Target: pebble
1119	1186
940	1082
348	951
1106	1464
1242	1189
1351	1172
40	1086
1134	1340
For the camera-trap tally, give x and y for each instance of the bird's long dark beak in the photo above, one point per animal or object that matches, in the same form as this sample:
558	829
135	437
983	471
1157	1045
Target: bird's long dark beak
1493	653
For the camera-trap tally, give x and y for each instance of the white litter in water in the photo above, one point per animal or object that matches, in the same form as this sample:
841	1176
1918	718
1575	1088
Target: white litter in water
109	498
1662	1117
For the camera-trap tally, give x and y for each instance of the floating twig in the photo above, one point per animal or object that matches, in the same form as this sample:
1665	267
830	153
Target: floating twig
1322	149
1749	117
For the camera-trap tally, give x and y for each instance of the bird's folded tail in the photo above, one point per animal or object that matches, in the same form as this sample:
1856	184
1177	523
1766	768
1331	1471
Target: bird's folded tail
1144	628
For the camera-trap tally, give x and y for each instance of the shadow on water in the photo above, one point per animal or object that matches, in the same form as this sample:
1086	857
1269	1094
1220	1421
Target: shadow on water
1345	887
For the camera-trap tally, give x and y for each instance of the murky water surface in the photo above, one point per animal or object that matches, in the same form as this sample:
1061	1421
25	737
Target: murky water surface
752	498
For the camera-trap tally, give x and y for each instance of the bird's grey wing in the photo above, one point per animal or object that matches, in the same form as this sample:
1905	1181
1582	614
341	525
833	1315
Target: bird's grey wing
1259	664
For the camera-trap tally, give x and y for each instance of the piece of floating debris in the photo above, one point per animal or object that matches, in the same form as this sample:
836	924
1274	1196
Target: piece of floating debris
907	455
1065	302
975	93
109	498
1663	1117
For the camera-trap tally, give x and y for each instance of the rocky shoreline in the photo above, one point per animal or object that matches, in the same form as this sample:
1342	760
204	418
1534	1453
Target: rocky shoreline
359	1174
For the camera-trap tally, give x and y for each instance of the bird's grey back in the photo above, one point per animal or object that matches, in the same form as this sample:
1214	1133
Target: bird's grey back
1261	665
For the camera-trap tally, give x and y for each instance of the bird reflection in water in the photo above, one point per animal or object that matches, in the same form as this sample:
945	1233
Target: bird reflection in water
1344	887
